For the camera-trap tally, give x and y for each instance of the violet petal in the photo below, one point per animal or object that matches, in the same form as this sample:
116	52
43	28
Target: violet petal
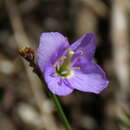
52	45
86	44
94	81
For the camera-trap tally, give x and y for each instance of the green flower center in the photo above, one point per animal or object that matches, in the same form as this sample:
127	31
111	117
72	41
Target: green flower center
63	65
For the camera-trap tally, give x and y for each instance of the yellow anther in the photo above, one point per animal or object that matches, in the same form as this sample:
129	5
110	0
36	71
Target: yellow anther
62	58
71	52
77	68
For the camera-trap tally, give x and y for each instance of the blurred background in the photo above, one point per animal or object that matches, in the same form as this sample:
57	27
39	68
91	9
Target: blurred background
24	104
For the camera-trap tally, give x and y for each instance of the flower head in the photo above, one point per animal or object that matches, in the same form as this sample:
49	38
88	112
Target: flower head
66	67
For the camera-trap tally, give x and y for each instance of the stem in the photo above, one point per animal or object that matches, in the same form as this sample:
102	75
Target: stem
60	111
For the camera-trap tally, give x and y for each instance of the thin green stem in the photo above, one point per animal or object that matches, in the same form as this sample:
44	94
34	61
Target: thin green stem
60	111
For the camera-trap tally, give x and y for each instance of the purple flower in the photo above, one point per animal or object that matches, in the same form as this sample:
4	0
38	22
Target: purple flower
66	67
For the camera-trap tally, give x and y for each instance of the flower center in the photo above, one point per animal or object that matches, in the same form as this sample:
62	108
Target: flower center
63	65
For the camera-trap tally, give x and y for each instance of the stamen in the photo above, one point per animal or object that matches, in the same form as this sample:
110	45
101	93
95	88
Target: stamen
62	58
77	68
70	53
